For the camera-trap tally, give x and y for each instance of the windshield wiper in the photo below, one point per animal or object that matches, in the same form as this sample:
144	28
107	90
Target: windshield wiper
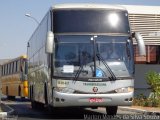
113	77
78	72
80	68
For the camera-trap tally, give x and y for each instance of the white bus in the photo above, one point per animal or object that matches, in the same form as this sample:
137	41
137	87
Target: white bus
81	55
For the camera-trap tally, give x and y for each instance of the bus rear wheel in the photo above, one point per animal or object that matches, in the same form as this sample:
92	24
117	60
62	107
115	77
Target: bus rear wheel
111	110
8	96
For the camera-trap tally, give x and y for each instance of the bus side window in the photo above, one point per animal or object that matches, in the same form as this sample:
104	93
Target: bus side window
26	66
10	66
13	67
1	70
7	69
22	65
4	70
16	70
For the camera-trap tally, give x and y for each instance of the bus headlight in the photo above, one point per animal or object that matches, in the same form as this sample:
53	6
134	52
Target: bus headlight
125	90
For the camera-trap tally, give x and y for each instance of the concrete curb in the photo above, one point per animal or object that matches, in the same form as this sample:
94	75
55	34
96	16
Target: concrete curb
8	110
139	111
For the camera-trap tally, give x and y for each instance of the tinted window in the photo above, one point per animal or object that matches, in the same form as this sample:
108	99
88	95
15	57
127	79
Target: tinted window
92	21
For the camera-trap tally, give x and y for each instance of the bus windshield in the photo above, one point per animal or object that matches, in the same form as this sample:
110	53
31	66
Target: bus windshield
73	53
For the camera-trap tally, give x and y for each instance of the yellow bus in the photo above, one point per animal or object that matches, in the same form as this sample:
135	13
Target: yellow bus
14	77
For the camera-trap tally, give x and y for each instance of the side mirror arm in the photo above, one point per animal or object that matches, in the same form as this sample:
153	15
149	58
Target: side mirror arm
140	43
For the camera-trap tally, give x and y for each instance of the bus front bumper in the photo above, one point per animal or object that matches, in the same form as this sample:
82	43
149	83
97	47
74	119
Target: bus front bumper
92	100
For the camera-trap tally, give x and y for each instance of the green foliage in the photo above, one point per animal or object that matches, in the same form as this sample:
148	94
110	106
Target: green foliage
141	100
153	79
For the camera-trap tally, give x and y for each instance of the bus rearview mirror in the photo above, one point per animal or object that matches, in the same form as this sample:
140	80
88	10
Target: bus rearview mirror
140	43
49	42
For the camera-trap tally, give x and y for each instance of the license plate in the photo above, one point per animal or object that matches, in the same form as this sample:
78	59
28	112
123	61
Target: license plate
95	100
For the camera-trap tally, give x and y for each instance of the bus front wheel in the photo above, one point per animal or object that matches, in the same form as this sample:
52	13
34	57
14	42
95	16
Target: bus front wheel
111	110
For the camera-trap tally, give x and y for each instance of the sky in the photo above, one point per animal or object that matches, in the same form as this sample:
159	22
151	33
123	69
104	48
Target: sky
16	28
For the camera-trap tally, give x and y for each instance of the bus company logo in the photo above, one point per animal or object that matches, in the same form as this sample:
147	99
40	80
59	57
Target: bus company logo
95	89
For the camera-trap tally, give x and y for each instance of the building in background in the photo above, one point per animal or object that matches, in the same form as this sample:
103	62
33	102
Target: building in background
145	20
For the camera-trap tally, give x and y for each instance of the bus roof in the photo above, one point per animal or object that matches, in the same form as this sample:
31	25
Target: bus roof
87	6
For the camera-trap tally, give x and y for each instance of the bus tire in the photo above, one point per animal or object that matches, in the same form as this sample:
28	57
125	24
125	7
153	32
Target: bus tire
23	98
8	96
33	104
19	91
7	91
111	110
52	109
37	105
30	91
45	95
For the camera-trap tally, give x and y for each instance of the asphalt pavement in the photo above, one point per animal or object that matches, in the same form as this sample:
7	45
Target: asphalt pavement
22	110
